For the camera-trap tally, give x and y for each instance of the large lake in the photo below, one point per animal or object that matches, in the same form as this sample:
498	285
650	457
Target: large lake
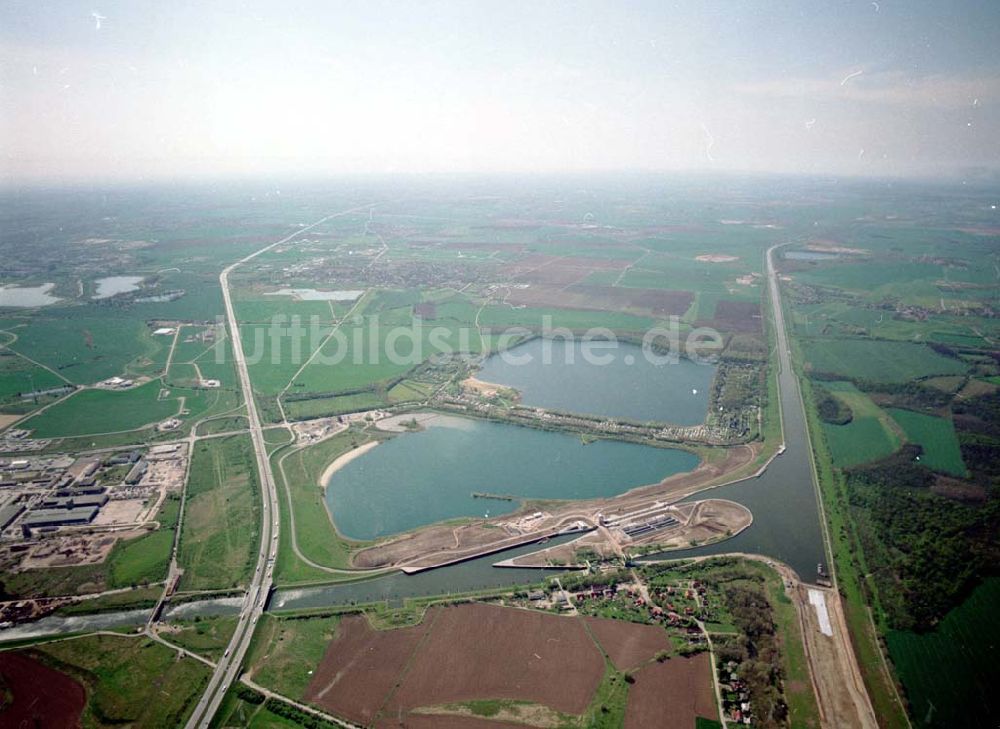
557	376
424	477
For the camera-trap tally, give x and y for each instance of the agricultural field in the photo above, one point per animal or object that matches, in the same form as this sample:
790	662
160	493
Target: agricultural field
506	673
86	349
869	436
910	542
911	281
37	695
96	412
877	360
948	677
937	438
129	680
221	524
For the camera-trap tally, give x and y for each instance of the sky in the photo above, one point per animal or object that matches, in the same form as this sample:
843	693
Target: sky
135	90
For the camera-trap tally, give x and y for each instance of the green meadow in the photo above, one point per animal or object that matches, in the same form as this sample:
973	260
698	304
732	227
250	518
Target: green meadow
130	681
936	436
221	520
104	411
86	350
870	435
878	360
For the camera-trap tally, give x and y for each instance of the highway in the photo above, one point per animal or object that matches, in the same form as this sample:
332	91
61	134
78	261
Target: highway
230	665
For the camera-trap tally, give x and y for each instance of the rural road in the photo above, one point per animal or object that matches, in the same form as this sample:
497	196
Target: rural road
231	663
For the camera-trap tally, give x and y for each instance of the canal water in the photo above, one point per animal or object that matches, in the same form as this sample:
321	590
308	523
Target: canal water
425	477
475	574
63	625
783	500
555	375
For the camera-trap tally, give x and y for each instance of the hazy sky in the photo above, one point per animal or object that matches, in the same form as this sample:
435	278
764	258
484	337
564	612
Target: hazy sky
130	89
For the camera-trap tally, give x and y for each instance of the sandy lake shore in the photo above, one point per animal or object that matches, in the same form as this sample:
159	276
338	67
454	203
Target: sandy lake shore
343	460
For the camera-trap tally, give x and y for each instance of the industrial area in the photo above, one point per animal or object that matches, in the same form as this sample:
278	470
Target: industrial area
61	511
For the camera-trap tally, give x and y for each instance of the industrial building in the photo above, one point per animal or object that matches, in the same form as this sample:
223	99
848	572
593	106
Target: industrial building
8	513
78	490
71	502
136	474
59	517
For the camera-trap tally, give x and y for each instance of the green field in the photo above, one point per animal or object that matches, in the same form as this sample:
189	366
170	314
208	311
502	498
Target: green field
143	559
221	519
86	349
235	712
18	375
223	425
285	651
949	675
870	435
878	360
912	281
131	681
105	411
101	414
207	637
937	437
137	599
322	407
299	471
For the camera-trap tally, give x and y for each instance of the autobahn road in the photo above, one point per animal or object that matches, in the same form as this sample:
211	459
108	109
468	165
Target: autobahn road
228	668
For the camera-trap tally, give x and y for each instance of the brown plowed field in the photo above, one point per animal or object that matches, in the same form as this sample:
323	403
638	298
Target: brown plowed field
361	666
671	694
658	302
470	652
441	721
628	644
482	651
42	696
737	316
